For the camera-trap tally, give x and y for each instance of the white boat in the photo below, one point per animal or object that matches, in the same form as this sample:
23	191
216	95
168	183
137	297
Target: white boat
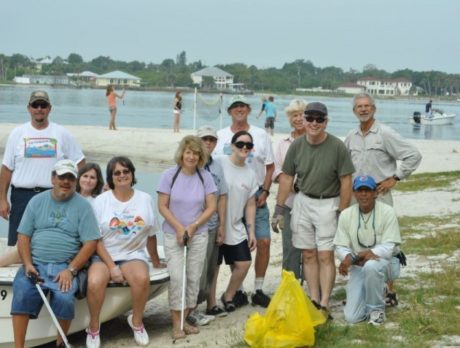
42	329
438	117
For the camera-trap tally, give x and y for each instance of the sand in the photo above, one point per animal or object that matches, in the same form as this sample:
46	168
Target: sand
154	149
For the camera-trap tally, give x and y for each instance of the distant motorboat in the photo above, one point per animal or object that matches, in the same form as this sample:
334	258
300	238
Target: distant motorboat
42	330
438	118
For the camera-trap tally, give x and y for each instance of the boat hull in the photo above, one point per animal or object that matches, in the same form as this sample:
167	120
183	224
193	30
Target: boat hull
42	330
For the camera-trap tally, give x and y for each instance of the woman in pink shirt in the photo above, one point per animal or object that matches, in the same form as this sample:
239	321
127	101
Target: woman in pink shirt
295	113
112	102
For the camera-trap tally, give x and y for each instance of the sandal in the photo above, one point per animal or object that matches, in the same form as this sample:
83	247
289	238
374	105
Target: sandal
391	300
229	306
177	334
191	330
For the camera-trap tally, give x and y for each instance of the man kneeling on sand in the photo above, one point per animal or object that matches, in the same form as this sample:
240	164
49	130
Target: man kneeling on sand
366	241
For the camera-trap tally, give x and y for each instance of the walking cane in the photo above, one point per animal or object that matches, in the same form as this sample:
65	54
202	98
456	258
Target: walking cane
184	279
35	279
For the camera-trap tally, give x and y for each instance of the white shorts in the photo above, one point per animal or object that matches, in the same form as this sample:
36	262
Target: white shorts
196	255
314	222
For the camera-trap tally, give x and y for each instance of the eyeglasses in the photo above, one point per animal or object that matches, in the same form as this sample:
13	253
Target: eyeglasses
119	172
241	144
40	104
319	119
211	139
67	176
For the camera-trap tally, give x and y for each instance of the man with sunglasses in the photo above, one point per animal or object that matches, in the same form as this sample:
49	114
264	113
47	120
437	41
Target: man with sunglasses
261	160
323	168
31	151
366	241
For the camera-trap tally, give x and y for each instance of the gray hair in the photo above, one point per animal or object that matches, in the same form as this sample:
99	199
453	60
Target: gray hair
294	106
361	96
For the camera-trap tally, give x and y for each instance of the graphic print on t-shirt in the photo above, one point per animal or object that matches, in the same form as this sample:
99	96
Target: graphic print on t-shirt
40	147
124	225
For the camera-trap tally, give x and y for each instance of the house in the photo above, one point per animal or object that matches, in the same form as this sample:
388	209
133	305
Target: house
222	79
42	61
385	87
351	88
117	78
85	78
60	80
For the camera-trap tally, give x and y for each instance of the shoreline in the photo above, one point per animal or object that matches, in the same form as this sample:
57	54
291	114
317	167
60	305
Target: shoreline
154	148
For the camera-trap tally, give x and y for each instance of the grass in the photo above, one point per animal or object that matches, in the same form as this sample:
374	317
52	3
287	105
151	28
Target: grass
424	181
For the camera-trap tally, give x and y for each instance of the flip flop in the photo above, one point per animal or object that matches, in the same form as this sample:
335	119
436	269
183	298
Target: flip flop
191	330
177	334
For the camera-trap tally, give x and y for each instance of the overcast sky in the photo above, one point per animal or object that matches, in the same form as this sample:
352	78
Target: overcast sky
392	34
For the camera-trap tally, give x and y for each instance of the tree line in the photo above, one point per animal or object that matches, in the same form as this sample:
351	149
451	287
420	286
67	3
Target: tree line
170	72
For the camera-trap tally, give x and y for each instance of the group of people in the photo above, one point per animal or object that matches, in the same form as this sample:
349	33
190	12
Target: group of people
214	203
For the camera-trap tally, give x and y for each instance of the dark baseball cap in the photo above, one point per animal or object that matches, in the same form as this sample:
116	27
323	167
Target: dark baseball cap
316	108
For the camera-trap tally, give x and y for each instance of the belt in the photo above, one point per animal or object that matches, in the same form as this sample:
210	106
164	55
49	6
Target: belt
319	197
33	189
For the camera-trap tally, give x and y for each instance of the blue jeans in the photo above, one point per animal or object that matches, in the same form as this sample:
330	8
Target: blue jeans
27	300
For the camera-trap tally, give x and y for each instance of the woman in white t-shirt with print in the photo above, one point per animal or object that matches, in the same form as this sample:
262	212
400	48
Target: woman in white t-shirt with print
240	237
127	223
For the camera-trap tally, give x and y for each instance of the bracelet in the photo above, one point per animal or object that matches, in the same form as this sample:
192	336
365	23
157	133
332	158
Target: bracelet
266	191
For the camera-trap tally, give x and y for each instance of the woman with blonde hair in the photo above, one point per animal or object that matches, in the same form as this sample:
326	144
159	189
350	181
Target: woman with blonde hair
112	102
186	200
292	257
177	108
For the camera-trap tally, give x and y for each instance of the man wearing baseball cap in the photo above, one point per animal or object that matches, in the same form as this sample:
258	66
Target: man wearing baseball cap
31	151
366	241
57	235
216	231
323	168
262	161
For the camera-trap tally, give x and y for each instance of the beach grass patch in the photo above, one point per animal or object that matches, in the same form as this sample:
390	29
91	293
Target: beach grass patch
424	181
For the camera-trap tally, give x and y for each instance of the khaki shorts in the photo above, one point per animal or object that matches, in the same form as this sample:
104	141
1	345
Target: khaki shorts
196	255
314	222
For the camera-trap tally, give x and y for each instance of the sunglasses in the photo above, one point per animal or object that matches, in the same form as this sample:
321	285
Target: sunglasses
211	139
241	144
119	172
40	104
319	119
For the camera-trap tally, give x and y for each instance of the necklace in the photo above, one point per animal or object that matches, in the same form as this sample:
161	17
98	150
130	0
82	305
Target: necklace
365	220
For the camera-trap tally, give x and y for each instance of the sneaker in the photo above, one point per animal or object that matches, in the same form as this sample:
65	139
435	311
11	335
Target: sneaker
140	335
259	298
240	299
197	318
377	317
93	340
217	312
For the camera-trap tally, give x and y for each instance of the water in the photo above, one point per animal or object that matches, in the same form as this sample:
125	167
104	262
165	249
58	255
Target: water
148	109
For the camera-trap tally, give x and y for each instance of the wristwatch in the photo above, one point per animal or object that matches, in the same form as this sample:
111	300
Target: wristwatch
73	270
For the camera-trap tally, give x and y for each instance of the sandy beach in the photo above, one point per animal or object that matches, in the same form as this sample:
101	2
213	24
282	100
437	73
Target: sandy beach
153	149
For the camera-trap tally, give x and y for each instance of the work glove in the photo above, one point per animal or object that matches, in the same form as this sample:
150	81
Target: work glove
278	218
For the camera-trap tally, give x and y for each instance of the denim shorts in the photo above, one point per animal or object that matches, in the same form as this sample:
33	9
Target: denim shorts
262	220
27	300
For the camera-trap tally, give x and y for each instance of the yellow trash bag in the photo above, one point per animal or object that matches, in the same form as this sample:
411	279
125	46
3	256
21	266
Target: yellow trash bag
289	320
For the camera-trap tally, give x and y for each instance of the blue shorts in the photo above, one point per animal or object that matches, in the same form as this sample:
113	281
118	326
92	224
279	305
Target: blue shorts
27	300
262	220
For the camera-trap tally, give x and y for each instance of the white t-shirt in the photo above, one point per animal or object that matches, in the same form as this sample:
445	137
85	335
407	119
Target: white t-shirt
32	153
242	185
125	226
261	155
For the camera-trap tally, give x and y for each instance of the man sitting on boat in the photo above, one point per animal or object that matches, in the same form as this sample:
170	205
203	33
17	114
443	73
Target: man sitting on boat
56	237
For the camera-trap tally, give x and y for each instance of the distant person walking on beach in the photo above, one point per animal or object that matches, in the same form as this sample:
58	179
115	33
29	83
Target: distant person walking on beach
177	108
270	113
429	109
264	103
31	151
112	102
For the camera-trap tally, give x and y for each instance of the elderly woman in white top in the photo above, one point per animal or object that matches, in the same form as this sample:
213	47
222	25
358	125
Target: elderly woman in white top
292	257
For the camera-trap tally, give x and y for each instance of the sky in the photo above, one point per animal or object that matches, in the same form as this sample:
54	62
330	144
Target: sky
420	35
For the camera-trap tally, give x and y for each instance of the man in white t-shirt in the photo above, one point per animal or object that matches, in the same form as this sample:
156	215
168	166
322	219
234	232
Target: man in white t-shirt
31	152
261	160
